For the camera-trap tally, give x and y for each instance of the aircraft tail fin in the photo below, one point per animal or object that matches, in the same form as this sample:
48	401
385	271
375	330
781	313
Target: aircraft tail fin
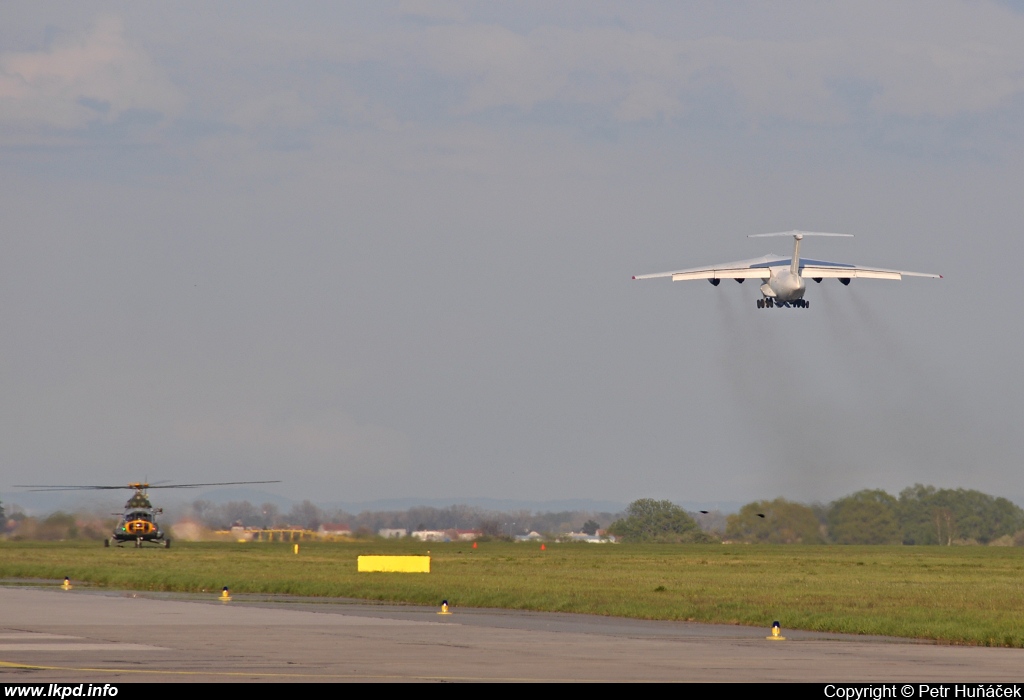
794	265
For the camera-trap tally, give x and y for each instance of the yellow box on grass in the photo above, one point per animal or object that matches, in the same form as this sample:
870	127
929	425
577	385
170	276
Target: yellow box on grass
405	564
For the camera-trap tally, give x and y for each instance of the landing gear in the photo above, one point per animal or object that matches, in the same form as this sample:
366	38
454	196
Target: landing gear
138	542
167	544
770	303
106	543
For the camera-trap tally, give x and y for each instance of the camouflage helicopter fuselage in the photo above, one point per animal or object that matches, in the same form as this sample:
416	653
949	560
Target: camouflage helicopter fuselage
138	522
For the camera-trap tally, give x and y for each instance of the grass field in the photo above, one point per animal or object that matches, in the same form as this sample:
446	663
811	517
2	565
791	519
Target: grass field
963	595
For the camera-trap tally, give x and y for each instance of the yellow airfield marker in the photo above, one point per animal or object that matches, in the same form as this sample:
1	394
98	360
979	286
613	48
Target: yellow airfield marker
409	564
444	608
776	633
67	584
225	595
296	549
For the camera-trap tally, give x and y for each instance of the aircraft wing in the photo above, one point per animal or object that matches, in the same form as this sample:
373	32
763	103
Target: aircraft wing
756	268
759	268
817	269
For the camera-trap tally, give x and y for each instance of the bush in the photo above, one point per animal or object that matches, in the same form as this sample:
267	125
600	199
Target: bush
648	520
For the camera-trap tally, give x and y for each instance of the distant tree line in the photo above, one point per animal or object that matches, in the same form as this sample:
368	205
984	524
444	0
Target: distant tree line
58	525
920	515
308	516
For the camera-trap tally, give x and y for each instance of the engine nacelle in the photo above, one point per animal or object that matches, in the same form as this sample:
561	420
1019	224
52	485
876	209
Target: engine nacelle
715	281
845	281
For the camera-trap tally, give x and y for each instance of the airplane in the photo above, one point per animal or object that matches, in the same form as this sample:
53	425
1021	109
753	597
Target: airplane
783	279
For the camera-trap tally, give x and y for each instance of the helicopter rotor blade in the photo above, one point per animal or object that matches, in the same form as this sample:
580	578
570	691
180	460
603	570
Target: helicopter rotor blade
216	483
136	486
41	487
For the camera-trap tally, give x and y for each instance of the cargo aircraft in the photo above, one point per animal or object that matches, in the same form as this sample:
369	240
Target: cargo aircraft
783	280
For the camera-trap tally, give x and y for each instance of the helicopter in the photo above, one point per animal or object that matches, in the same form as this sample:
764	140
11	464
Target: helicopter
138	521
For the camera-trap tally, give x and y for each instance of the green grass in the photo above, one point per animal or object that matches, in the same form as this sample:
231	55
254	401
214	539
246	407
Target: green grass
962	595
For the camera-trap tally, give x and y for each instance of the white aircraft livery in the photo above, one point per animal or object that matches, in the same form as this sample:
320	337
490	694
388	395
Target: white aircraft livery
782	279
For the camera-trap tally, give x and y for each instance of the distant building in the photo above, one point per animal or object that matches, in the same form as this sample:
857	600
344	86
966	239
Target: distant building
584	537
334	530
431	535
392	532
465	535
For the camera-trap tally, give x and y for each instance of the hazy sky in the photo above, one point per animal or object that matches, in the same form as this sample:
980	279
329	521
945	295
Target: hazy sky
384	249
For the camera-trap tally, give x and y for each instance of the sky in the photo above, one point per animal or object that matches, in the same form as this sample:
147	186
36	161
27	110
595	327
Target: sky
384	249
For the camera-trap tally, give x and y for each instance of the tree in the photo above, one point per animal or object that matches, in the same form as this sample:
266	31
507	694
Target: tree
206	513
783	522
943	516
490	527
648	520
865	517
919	507
58	526
3	518
591	527
270	514
306	515
241	513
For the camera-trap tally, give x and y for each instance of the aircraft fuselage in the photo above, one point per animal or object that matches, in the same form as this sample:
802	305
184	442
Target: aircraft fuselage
784	285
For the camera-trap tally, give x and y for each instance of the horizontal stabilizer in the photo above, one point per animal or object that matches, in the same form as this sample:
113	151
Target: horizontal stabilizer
800	233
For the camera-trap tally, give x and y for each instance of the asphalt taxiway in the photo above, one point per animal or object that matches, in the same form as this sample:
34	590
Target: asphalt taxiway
81	635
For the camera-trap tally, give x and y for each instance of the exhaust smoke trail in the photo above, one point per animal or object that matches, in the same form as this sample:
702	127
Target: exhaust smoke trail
832	399
916	424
